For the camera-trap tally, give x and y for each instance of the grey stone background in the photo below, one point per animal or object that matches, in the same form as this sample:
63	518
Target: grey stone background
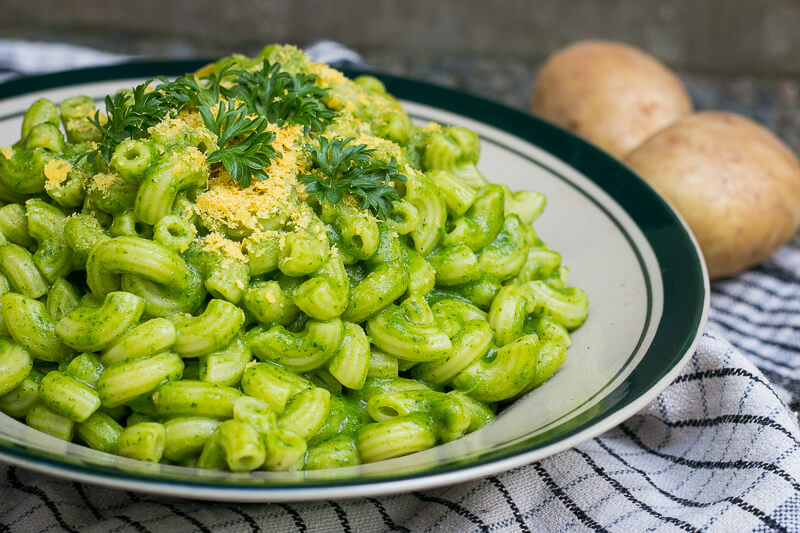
738	55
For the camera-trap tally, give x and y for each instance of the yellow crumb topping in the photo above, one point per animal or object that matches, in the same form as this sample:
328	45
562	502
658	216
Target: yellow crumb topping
169	128
55	172
196	160
289	55
363	99
191	117
216	242
432	127
228	203
328	76
102	182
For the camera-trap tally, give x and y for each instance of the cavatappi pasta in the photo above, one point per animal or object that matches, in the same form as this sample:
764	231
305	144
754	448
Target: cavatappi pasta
336	286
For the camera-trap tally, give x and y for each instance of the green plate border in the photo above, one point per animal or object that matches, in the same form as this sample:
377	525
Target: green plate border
685	281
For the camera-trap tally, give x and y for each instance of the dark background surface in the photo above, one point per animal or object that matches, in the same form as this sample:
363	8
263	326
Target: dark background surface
737	55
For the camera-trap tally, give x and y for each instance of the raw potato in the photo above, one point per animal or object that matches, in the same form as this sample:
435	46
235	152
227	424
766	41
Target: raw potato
734	182
611	94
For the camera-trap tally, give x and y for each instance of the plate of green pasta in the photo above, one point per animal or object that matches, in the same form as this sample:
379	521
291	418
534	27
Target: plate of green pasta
265	279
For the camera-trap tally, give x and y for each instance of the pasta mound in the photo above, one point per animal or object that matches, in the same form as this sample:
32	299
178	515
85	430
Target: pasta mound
267	265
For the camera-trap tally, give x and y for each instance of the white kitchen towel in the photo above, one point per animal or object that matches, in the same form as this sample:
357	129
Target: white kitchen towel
718	450
19	58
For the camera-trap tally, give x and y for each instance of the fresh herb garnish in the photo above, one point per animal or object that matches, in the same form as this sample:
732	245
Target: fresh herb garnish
244	147
272	94
281	97
188	89
129	116
342	167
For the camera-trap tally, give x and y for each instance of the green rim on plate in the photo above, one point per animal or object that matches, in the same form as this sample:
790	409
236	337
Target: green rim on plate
685	304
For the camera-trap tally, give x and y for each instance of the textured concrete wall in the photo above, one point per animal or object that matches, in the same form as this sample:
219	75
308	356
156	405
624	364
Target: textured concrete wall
758	37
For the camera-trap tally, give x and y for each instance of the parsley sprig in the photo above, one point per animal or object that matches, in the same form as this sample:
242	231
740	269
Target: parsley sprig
189	90
129	114
341	167
282	97
244	147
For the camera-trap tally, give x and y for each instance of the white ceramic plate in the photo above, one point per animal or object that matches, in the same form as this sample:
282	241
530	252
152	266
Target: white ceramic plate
634	257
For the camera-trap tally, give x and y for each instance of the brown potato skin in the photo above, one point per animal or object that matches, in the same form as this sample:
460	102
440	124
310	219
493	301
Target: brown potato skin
734	182
611	94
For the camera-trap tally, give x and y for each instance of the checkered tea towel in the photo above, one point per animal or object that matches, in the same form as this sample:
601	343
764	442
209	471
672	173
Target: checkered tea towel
718	450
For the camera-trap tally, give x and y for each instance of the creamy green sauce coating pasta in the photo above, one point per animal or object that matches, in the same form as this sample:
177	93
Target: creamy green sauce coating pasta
266	265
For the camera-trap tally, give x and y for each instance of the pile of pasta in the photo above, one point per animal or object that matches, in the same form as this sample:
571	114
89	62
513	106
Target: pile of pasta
155	309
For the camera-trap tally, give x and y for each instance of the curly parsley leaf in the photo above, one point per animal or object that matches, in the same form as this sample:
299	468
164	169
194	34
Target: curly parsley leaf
245	148
281	97
343	168
129	115
272	94
189	89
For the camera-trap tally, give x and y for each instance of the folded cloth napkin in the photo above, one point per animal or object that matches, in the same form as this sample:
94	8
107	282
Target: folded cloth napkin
718	450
